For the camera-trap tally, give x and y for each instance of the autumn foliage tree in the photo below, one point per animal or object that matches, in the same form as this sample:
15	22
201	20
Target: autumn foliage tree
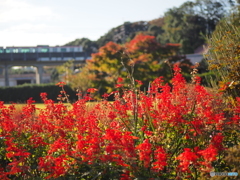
143	58
106	64
148	57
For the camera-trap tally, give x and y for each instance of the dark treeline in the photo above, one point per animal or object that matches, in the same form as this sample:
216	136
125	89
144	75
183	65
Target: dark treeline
20	94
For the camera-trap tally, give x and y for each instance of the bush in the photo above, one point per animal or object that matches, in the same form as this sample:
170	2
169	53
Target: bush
182	132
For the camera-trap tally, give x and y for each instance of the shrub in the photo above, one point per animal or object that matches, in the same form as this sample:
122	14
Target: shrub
176	133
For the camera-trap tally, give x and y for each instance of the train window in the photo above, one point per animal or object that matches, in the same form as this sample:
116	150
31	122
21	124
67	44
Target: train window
44	50
15	50
1	50
55	49
63	50
8	50
25	50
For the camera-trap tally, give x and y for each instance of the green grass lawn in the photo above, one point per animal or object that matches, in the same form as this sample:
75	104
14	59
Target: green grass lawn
38	105
42	105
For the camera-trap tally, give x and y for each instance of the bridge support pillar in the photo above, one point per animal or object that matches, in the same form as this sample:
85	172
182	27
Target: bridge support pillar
6	78
39	74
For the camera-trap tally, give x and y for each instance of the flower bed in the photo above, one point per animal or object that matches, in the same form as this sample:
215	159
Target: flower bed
170	132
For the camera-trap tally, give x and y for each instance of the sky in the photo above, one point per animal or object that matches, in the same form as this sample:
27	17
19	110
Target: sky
57	22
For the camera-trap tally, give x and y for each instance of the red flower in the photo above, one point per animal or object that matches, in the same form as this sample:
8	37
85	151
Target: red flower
30	101
119	85
105	95
161	159
92	90
125	176
61	84
112	115
217	141
119	80
139	82
43	96
186	158
209	154
145	150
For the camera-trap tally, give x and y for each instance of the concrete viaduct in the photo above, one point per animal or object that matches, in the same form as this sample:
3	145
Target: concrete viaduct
38	60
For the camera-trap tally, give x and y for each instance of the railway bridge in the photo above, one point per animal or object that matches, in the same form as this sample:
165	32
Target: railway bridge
39	57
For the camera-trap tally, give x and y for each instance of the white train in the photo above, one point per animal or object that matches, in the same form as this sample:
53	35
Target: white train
41	49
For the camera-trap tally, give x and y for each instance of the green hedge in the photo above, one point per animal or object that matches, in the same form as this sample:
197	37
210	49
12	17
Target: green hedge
19	94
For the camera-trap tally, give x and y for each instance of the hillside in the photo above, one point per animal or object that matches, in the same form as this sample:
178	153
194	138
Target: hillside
188	25
121	34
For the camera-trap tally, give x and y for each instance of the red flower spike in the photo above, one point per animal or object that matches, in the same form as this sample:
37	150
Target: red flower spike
119	80
119	85
139	82
92	90
209	154
43	96
105	95
161	159
186	158
61	84
144	152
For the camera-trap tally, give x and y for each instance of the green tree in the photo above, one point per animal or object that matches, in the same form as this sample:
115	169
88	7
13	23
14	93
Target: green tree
65	71
109	36
55	75
192	21
224	54
182	25
212	11
82	80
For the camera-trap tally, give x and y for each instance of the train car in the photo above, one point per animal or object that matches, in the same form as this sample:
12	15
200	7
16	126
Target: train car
42	49
42	53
